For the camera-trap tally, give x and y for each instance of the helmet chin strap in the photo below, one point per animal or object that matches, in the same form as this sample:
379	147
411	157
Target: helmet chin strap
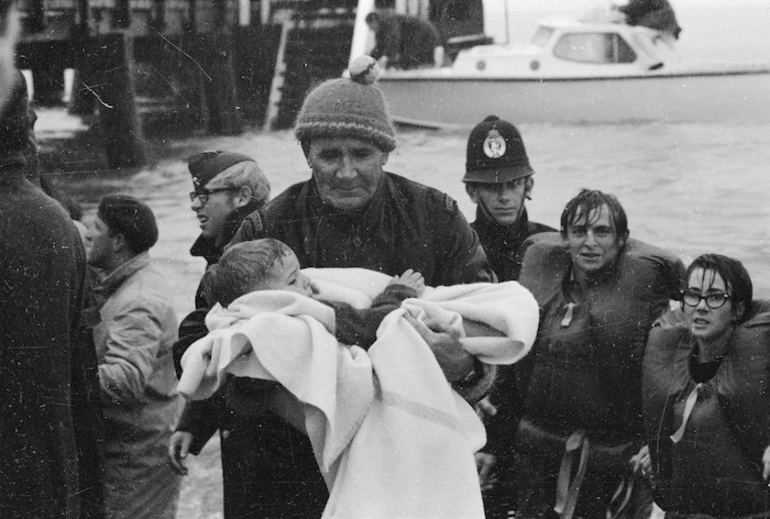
485	210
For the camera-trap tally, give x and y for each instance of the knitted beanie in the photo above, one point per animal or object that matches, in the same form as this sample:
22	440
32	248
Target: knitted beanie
348	107
205	166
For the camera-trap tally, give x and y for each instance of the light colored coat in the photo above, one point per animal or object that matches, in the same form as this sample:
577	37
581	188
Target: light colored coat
141	405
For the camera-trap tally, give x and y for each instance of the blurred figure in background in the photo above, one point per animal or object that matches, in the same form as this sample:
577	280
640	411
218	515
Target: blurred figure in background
655	23
405	42
10	30
136	370
41	296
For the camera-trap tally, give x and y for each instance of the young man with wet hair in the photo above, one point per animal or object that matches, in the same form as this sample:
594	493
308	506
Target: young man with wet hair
580	424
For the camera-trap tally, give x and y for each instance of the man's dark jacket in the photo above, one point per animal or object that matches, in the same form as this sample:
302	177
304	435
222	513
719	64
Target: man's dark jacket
239	432
41	295
502	243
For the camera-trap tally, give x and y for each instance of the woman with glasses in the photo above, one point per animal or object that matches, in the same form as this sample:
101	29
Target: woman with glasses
706	399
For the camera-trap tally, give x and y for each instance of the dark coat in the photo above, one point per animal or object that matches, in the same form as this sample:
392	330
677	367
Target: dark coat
41	294
406	225
407	41
240	434
655	14
502	243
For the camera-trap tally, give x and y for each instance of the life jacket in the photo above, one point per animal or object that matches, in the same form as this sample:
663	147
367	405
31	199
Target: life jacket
584	371
713	465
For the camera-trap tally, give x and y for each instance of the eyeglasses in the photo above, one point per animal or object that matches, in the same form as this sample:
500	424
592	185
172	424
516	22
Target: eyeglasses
204	194
713	301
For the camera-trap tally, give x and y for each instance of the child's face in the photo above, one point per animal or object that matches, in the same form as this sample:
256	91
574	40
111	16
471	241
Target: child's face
285	275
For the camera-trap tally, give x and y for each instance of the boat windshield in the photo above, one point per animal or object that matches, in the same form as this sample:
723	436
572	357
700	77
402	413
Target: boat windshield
542	35
589	47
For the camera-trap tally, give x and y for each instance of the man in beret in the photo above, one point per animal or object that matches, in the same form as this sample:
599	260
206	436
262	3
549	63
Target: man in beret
352	213
227	187
136	370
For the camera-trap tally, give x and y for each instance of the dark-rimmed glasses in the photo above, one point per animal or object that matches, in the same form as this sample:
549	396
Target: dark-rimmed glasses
204	194
714	300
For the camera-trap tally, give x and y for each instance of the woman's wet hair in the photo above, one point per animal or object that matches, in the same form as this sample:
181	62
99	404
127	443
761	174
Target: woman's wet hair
590	201
240	268
735	276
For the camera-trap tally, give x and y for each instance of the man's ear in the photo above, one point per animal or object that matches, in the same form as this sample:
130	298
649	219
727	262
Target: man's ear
739	310
119	242
243	196
384	158
528	186
622	239
473	192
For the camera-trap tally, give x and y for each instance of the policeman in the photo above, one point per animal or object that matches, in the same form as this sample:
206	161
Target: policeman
498	179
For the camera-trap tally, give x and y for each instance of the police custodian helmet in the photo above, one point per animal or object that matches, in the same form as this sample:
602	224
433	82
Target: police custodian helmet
496	153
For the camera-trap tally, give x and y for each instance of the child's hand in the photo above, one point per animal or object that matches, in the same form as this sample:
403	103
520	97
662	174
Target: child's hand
411	279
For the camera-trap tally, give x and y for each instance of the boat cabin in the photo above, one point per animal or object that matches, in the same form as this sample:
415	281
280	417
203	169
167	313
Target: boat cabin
569	48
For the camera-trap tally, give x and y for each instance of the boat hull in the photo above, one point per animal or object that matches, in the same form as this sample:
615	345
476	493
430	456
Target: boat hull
440	101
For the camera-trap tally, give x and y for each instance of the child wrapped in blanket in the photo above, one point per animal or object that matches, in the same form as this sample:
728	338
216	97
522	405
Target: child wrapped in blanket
360	381
270	264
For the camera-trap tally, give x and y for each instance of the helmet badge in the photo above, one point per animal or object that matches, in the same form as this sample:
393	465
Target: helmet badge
494	145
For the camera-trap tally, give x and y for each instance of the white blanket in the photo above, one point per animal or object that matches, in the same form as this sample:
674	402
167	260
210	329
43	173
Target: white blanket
390	436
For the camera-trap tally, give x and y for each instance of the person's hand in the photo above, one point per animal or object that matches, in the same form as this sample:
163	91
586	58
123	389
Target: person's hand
411	279
485	408
642	462
485	463
444	342
178	449
766	463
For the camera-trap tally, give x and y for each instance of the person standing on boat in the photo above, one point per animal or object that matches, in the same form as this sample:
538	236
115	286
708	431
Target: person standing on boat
580	431
657	15
498	179
405	42
654	22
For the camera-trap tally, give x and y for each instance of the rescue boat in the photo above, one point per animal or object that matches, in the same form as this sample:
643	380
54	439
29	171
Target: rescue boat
578	71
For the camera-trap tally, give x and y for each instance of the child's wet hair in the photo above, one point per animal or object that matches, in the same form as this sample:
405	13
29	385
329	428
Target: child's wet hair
241	267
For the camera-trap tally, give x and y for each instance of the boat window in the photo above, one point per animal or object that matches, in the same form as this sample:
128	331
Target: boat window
541	36
587	47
